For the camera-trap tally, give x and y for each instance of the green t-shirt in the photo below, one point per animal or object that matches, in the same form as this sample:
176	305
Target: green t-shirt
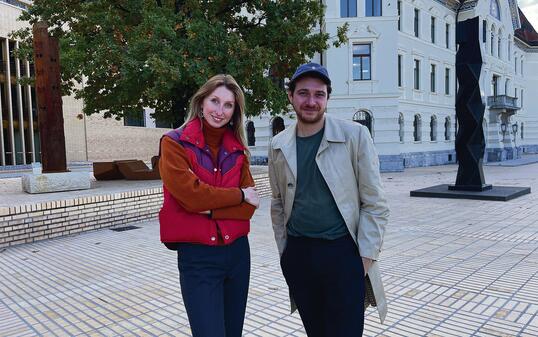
314	212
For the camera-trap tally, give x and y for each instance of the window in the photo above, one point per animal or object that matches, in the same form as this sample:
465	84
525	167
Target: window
447	81
509	47
135	117
447	36
432	29
416	27
417	128
399	15
499	44
484	31
361	62
416	72
432	78
515	65
495	85
401	125
251	137
521	99
433	128
277	125
348	8
492	42
521	68
447	128
399	70
163	123
373	8
522	130
364	117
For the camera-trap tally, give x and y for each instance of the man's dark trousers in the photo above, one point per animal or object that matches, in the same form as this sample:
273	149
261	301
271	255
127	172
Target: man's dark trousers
326	280
214	285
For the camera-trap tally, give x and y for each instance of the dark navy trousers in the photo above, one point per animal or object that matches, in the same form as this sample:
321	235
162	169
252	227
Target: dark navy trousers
214	285
326	280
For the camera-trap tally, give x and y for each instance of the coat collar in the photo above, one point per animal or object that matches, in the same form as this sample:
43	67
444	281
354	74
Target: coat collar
192	133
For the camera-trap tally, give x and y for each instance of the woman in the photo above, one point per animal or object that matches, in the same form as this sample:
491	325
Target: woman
208	200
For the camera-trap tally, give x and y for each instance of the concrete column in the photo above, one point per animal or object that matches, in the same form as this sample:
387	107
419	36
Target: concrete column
9	103
19	104
28	91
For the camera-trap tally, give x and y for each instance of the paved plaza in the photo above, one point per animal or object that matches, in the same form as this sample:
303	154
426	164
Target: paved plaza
450	268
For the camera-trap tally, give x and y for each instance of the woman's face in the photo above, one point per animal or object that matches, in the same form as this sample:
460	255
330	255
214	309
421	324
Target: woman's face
218	107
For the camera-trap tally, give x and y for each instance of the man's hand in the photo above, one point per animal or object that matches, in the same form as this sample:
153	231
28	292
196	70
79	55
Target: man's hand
251	196
366	263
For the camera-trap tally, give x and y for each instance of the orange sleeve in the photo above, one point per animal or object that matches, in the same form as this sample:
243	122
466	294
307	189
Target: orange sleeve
188	190
244	211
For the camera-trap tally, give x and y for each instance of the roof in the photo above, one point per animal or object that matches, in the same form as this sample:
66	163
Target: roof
526	33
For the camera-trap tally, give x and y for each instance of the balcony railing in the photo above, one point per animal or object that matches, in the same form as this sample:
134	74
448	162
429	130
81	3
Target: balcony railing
503	102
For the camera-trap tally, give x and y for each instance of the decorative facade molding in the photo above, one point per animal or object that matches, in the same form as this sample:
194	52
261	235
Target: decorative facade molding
514	14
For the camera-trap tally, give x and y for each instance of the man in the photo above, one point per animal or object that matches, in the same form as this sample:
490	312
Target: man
328	211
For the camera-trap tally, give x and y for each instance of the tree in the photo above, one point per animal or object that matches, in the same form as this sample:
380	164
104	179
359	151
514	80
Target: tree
140	53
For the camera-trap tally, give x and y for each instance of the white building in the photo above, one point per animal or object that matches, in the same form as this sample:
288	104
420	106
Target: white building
397	75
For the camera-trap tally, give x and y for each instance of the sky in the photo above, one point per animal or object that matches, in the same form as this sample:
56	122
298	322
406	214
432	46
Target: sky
530	9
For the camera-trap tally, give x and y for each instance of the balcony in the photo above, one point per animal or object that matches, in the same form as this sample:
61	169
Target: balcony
503	102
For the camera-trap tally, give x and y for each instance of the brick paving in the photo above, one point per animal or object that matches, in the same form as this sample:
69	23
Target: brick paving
451	268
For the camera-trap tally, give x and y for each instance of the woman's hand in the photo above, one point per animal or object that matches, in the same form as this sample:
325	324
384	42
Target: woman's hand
251	196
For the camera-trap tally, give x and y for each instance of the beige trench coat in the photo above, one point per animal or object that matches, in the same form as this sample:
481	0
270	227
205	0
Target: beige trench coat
349	164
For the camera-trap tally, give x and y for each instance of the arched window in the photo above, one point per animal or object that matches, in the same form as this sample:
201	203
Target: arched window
447	128
364	117
401	127
433	128
277	125
492	42
251	130
417	128
509	47
499	44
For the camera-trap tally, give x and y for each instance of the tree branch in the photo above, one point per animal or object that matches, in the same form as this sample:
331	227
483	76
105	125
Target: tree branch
159	3
177	6
229	7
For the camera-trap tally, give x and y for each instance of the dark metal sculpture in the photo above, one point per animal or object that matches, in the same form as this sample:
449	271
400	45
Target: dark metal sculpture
49	100
470	142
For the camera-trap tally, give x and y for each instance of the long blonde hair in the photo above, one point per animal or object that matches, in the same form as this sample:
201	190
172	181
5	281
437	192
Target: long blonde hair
237	121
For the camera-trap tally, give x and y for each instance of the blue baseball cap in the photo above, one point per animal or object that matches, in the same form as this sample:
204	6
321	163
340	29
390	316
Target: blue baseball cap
313	69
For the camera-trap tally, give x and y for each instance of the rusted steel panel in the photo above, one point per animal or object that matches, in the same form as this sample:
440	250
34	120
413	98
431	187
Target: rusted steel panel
49	100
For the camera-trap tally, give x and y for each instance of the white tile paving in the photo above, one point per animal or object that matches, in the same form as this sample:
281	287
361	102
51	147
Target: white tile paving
451	268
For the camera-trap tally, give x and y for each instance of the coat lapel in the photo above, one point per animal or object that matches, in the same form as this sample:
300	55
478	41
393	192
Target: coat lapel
288	146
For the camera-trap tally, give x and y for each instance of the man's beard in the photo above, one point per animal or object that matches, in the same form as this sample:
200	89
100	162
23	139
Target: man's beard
317	118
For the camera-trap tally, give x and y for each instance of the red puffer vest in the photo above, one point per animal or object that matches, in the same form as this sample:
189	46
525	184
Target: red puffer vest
177	224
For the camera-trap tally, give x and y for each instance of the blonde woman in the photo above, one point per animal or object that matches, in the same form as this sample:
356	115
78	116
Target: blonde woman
209	198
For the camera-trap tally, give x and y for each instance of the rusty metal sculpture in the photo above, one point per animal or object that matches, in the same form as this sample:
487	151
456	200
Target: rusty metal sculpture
49	100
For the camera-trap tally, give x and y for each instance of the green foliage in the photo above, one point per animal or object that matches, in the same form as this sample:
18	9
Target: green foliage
140	53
